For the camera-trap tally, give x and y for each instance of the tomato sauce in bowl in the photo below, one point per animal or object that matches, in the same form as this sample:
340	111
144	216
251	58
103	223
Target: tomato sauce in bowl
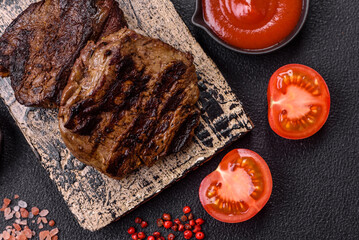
252	24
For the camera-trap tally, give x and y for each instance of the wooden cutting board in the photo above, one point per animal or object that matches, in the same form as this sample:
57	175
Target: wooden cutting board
93	198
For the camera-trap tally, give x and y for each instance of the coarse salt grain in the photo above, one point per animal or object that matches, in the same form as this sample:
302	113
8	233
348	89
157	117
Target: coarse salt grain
44	213
44	220
44	234
16	226
22	204
9	216
24	213
7	201
35	211
54	231
28	233
23	222
15	232
5	235
7	211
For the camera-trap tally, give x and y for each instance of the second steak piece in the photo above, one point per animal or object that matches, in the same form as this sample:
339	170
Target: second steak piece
40	46
130	100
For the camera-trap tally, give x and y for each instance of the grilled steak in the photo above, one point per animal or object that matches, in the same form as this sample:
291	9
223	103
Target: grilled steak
40	46
130	99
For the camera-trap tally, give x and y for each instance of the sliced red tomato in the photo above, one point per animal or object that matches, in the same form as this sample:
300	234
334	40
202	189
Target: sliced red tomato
238	189
298	101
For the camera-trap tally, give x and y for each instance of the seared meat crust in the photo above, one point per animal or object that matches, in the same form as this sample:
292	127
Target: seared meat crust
40	46
130	99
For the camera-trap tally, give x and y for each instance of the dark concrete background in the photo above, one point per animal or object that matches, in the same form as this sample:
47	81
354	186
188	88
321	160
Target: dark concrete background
315	192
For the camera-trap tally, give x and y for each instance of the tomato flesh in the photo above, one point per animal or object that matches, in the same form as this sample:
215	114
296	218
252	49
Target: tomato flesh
298	101
238	189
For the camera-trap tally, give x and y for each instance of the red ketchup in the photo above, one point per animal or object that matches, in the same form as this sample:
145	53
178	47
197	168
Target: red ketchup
252	24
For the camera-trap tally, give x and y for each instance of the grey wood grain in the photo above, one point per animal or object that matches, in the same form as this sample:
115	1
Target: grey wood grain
95	199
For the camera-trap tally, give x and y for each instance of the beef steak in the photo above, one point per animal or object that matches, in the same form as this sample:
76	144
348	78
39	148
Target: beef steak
130	100
40	46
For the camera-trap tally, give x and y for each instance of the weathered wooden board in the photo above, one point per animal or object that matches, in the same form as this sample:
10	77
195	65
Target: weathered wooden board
95	199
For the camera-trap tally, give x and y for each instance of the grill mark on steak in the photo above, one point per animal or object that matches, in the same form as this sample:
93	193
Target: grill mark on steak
182	135
142	90
40	46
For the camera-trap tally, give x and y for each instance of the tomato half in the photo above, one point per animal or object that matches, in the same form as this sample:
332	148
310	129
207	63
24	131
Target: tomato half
298	101
238	189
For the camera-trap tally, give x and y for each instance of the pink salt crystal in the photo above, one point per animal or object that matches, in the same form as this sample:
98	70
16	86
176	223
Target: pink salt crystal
44	213
44	220
22	204
33	221
41	226
43	235
54	231
7	211
38	220
9	216
28	233
5	235
22	237
23	222
17	214
17	221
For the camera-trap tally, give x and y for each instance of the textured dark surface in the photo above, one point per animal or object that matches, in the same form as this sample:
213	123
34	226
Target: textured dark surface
315	192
